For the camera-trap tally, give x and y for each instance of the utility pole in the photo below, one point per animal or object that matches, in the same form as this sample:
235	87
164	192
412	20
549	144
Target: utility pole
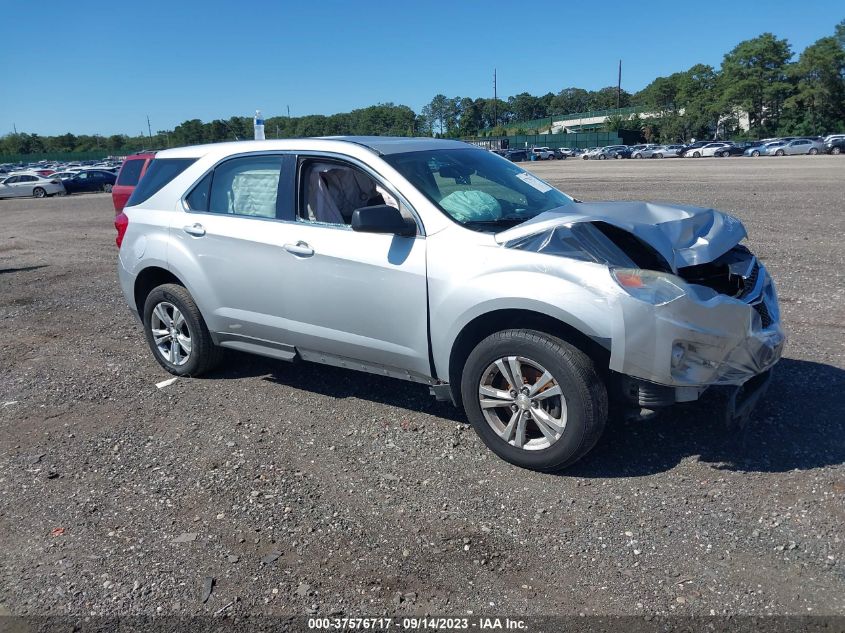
288	111
149	129
15	128
619	87
495	102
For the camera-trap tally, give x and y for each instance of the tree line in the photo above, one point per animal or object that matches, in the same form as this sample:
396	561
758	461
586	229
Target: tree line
759	79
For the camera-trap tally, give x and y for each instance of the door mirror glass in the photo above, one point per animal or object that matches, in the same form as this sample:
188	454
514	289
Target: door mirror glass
382	218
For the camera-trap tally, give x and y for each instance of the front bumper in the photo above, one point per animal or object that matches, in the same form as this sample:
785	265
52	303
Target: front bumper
691	344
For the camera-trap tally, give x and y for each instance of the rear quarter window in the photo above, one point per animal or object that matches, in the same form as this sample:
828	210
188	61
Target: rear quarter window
159	174
130	173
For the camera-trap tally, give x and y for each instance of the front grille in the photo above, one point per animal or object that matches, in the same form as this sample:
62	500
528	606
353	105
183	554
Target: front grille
763	311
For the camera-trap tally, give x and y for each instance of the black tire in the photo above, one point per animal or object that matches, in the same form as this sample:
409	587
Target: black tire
696	154
755	153
836	150
584	392
779	152
602	157
813	151
204	355
637	155
39	192
658	156
107	187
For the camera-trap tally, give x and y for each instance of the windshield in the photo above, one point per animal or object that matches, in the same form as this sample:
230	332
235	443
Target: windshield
478	189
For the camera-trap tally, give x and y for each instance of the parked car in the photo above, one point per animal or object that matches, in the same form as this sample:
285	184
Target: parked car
559	155
667	151
26	185
769	149
590	153
835	146
643	151
542	153
706	150
400	257
568	151
131	171
800	146
516	155
90	180
731	149
692	146
758	149
63	175
611	151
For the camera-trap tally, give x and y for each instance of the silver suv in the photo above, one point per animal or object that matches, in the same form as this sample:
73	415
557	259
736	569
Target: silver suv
437	262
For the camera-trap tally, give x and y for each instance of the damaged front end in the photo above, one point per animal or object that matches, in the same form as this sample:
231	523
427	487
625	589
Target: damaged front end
695	308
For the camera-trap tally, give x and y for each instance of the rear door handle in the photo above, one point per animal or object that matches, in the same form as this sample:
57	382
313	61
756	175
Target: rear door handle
197	229
300	249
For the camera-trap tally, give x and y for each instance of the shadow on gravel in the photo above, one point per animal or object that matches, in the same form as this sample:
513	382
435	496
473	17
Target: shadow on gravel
341	383
23	269
800	424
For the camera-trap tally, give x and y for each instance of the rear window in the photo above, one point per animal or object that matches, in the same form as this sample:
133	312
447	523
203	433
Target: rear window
130	174
159	173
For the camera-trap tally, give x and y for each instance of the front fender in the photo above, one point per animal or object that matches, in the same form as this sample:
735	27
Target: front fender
583	306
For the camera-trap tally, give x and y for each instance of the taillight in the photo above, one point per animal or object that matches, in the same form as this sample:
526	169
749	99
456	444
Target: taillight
121	223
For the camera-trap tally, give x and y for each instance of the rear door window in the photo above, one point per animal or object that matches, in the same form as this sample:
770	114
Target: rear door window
242	186
130	174
159	174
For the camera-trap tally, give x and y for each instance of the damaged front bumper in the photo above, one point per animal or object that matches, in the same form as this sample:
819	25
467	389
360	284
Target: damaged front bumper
674	352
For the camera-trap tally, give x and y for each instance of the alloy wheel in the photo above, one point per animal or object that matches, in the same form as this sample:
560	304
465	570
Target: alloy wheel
170	333
523	403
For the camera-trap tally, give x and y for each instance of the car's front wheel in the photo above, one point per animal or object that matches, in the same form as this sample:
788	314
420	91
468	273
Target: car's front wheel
39	192
535	400
780	152
755	153
107	187
813	151
836	150
176	332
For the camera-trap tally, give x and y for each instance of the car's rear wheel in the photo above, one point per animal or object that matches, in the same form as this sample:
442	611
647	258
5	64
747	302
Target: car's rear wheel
39	192
696	154
638	155
535	400
658	155
602	157
176	332
813	151
107	187
836	150
779	152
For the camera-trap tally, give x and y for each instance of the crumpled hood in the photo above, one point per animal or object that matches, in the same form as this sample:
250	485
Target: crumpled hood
683	235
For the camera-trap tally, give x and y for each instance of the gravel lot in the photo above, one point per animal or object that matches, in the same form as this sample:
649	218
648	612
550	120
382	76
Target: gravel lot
307	489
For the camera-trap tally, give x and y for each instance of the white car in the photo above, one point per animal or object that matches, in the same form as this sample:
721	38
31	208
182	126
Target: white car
30	185
706	150
542	153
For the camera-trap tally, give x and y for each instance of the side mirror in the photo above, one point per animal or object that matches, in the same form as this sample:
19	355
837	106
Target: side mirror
382	218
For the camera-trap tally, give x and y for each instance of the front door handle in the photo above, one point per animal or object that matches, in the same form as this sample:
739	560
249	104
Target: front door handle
300	249
197	229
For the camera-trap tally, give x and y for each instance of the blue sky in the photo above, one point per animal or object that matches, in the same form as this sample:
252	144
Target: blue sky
102	67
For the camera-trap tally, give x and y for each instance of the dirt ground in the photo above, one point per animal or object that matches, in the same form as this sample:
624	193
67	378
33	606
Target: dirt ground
306	489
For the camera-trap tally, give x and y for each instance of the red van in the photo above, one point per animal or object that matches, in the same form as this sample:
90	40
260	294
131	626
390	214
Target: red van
133	168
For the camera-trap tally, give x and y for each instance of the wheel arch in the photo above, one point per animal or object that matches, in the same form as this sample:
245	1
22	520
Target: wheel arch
148	279
488	323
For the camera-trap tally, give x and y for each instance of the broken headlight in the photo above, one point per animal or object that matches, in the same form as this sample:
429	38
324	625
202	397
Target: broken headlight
651	286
